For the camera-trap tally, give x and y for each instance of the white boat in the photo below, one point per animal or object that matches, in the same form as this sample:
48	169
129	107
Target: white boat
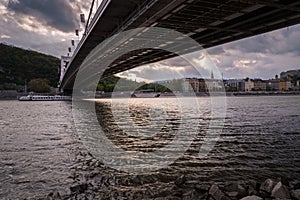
145	94
45	98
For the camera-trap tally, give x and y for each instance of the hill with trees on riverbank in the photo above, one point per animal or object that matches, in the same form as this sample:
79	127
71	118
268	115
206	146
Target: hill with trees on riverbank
18	65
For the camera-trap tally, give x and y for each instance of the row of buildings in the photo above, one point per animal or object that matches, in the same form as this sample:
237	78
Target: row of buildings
247	84
285	83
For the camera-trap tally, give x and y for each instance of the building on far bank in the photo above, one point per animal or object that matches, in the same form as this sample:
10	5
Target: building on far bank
285	85
249	85
214	85
234	85
200	85
259	85
273	84
195	85
297	86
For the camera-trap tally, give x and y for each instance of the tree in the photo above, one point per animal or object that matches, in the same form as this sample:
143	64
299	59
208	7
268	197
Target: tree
39	85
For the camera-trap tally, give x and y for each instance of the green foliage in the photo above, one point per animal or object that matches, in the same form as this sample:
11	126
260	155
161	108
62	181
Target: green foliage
39	85
18	65
108	84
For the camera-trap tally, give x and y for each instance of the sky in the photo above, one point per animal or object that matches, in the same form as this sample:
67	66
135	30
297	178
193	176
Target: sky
48	26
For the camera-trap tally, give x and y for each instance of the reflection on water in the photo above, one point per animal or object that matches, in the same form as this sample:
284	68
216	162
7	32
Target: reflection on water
260	139
35	148
151	127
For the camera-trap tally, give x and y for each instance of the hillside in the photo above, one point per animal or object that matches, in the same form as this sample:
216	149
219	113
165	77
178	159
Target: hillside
18	65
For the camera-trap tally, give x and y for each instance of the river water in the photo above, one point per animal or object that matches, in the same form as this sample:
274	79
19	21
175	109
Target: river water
39	145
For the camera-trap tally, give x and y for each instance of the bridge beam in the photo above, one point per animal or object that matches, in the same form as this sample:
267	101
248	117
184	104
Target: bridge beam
208	22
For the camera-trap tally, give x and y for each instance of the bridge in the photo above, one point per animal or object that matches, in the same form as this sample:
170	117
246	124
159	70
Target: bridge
210	23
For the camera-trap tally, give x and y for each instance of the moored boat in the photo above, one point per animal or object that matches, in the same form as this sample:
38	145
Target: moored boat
145	94
45	98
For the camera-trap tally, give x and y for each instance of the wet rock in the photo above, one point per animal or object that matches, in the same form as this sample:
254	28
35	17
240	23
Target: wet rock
232	195
267	187
295	194
80	188
253	197
280	191
202	187
235	188
216	193
180	181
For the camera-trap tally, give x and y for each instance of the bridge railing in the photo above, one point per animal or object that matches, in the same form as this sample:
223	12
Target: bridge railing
93	19
95	16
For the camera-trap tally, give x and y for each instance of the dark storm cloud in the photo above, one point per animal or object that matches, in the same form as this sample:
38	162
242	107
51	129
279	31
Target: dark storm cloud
278	42
55	13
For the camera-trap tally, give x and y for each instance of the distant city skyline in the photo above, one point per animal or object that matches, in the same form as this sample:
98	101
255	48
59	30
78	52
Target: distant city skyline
49	26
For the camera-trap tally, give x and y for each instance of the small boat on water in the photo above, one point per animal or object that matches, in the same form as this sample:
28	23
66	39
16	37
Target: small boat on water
145	94
45	98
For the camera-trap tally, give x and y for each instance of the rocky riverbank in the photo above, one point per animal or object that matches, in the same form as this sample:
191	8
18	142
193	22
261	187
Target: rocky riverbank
92	180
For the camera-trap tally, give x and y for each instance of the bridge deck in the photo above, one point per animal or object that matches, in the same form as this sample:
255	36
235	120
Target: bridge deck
210	23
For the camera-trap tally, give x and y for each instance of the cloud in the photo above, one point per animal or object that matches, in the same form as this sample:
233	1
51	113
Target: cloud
58	14
216	50
29	32
4	36
175	62
152	72
53	43
277	42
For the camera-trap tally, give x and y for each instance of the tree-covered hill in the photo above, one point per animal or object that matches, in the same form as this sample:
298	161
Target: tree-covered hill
18	65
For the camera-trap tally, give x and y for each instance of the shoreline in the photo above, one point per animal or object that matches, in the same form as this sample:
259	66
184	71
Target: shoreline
8	95
93	180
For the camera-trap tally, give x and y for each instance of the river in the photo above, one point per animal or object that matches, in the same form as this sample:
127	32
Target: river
41	152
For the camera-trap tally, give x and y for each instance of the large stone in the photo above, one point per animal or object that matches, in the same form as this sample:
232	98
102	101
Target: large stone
216	193
296	194
280	191
253	197
267	186
235	187
233	195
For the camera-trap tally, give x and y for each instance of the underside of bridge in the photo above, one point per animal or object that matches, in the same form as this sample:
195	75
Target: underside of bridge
210	23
